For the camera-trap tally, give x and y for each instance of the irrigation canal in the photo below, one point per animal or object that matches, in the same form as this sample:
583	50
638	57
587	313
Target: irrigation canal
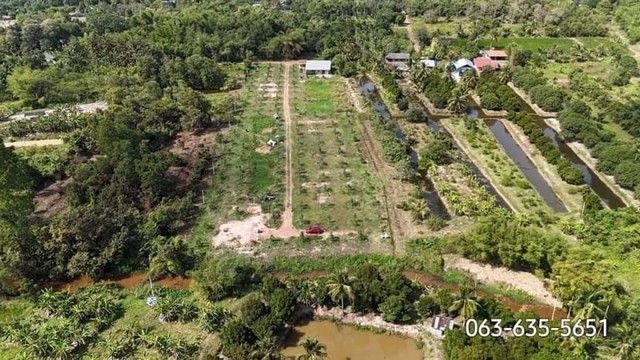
606	194
431	196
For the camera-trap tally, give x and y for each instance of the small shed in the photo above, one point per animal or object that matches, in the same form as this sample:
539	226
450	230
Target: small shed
482	62
429	63
395	58
495	55
317	67
440	323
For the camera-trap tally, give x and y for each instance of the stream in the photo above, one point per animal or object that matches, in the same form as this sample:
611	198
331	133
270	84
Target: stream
429	194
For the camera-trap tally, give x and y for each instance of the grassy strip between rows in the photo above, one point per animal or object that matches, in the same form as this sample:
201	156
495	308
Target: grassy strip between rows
504	173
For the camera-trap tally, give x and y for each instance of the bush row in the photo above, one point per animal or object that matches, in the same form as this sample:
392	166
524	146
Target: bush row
567	171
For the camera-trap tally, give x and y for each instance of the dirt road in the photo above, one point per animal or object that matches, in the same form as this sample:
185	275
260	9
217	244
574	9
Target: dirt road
412	35
287	229
48	142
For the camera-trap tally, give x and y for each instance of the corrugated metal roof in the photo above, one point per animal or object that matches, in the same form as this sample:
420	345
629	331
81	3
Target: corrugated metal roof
430	63
495	53
318	65
481	62
398	56
460	63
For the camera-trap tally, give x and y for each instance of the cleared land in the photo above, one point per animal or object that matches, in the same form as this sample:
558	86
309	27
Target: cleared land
333	187
249	168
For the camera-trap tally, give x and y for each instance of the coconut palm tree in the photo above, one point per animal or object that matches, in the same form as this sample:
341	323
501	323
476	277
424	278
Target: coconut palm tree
628	341
340	287
505	74
458	101
419	209
314	349
266	349
465	303
469	80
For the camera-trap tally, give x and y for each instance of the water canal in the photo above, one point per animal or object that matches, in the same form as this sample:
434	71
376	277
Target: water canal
605	193
525	165
429	194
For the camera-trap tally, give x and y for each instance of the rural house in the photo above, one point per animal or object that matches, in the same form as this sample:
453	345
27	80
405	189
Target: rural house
495	55
440	323
460	66
317	67
482	62
397	58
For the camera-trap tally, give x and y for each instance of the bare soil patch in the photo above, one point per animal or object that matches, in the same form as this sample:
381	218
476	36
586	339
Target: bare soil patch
188	143
323	198
30	143
519	280
263	150
309	185
52	199
242	232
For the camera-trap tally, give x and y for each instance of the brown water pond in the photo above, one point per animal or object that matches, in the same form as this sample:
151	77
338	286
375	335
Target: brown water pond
346	342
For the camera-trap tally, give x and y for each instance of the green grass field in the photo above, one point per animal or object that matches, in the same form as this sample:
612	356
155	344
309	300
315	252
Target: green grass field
529	43
333	187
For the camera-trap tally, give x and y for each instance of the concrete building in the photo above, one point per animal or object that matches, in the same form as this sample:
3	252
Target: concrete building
317	67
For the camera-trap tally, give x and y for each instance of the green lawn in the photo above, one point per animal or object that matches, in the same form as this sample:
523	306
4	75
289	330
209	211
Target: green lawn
529	43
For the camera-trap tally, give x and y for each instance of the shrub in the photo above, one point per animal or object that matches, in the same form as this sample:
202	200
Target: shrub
396	309
221	276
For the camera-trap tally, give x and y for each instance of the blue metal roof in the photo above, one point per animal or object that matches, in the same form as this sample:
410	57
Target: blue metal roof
460	63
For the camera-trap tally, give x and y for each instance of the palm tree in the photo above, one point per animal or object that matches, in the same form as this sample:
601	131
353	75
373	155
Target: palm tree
505	74
628	341
458	101
340	287
465	303
314	349
267	349
419	209
469	80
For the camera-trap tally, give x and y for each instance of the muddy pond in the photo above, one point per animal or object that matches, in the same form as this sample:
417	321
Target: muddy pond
346	342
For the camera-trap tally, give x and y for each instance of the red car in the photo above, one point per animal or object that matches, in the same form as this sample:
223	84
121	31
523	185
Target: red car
314	230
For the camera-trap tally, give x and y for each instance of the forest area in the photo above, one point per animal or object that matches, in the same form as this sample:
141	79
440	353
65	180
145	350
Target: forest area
137	180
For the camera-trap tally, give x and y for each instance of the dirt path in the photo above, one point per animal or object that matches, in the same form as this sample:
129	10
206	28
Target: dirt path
523	281
559	187
379	165
287	229
31	143
412	35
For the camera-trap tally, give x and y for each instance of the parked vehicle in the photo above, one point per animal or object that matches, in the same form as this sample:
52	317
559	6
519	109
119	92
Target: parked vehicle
314	230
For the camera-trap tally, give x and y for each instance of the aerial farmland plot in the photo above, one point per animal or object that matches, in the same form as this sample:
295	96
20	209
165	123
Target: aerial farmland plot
333	187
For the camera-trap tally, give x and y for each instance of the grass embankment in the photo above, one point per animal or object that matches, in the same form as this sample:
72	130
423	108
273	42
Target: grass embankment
333	187
505	176
248	168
